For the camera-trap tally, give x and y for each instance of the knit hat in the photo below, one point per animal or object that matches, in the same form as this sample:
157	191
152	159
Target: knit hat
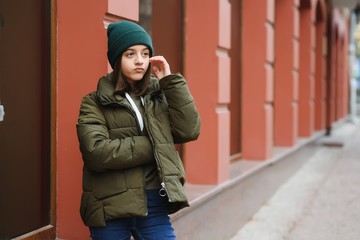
122	35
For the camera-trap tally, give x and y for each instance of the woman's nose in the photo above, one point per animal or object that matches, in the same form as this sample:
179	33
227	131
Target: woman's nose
139	59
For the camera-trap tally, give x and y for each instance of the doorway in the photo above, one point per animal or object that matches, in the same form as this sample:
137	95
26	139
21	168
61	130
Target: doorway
25	129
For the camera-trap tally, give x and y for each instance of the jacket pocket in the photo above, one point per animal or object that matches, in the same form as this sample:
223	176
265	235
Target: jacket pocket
174	189
109	183
91	211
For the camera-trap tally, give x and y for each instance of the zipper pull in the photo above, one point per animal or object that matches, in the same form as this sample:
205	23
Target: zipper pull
162	191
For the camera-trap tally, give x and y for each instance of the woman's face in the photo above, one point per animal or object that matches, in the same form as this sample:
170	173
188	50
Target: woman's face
135	62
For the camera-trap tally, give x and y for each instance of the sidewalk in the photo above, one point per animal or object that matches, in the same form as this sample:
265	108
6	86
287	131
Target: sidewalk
321	201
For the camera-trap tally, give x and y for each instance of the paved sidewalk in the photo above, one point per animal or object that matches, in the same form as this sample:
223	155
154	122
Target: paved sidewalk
321	201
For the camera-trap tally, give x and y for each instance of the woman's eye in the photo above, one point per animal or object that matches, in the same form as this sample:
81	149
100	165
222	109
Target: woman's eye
129	54
146	54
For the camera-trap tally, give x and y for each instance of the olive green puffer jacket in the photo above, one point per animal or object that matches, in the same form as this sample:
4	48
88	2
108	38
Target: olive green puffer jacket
114	151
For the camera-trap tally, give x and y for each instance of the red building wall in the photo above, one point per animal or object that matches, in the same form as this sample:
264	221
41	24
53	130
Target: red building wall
207	69
257	78
81	60
286	73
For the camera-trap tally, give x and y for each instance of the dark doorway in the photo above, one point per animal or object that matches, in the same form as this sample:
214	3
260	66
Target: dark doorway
25	130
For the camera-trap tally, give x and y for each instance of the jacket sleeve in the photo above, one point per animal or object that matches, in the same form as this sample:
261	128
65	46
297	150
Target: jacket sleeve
99	152
184	117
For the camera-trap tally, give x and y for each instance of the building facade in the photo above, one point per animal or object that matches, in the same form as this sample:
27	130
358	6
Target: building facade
267	77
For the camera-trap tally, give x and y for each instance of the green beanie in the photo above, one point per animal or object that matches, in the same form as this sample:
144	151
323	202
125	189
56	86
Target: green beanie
122	35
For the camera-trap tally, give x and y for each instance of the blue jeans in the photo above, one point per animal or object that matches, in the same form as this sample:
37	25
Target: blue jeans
155	226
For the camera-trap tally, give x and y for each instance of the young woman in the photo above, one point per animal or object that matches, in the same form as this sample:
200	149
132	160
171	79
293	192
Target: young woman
127	128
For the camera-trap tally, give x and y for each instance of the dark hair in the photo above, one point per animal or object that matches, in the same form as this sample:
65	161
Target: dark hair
122	85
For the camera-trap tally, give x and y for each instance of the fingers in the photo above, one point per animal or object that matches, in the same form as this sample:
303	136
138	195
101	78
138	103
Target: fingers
161	67
156	70
158	74
158	59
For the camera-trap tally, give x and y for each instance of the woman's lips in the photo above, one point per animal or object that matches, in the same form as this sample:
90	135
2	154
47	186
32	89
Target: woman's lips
139	70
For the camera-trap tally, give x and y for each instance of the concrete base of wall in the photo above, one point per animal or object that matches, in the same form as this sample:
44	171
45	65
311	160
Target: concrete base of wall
218	212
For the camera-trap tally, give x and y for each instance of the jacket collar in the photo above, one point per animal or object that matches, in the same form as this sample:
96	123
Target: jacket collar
106	87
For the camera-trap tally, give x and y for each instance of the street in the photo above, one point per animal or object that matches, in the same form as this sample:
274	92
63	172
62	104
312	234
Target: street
321	201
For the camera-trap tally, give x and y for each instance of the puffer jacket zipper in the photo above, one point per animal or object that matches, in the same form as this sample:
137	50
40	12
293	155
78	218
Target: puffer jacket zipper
163	190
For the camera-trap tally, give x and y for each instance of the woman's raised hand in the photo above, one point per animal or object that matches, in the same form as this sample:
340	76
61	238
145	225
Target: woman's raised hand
160	67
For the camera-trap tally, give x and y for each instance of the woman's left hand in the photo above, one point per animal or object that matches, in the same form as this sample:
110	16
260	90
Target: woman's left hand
161	67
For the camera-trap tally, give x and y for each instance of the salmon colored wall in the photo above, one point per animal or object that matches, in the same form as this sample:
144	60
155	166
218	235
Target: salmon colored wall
286	74
257	77
306	79
167	20
339	79
298	72
338	72
81	61
223	81
346	73
206	67
81	52
235	103
320	77
320	67
331	77
342	77
124	9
